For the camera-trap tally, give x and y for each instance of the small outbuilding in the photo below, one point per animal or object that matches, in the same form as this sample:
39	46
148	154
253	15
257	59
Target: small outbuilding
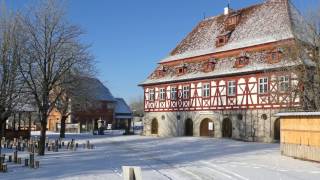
123	115
300	135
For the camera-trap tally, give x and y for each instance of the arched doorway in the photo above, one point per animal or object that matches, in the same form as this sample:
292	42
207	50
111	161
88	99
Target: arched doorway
154	126
207	128
276	130
227	128
188	128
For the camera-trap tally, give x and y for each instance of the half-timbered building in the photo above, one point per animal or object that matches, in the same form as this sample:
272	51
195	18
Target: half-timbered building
226	78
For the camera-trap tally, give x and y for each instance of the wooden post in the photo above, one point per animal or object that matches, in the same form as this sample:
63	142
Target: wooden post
88	144
36	164
14	122
131	173
19	115
29	128
24	124
26	162
4	167
2	159
15	157
32	160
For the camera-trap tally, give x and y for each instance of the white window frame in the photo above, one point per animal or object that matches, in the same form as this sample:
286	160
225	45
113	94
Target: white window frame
206	90
186	92
232	88
174	93
162	94
152	95
263	85
284	83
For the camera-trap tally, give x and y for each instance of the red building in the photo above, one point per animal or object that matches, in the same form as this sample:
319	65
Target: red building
97	108
225	79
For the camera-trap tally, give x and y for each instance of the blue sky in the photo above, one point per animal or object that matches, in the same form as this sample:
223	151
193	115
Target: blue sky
129	37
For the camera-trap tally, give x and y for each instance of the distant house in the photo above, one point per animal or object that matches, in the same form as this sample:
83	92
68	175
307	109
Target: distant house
123	114
22	121
101	109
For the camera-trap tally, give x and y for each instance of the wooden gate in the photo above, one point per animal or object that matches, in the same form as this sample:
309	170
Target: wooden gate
276	130
207	128
154	126
188	127
227	128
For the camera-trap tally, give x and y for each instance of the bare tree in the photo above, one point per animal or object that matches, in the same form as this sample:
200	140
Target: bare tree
53	51
137	106
305	52
10	55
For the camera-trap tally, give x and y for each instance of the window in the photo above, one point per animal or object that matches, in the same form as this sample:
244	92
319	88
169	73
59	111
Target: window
231	88
206	90
110	106
263	85
232	21
283	83
241	61
162	94
160	73
181	70
274	57
151	95
186	92
221	40
174	93
209	65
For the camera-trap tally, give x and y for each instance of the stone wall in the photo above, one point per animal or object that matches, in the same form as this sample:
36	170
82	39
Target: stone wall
249	125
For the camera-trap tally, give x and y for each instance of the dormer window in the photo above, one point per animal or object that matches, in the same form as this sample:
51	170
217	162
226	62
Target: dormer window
209	65
232	21
274	56
241	61
160	72
223	39
181	70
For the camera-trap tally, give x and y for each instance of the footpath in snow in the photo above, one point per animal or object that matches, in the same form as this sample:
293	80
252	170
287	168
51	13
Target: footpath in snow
180	158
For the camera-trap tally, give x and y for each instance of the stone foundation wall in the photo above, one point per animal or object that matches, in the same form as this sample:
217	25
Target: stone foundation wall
248	125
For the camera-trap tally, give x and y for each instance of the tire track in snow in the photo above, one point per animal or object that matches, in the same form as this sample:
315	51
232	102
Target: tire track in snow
224	171
168	164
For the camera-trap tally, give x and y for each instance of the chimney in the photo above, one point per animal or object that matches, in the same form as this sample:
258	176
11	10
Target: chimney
226	10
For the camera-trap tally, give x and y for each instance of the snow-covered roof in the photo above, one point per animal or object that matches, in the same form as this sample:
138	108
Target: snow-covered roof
96	89
122	108
271	21
268	22
23	107
223	67
286	114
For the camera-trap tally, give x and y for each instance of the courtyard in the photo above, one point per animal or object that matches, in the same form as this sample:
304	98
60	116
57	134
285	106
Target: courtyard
183	158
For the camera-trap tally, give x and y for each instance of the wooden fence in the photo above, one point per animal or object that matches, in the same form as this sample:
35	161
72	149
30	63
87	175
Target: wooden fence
300	135
10	134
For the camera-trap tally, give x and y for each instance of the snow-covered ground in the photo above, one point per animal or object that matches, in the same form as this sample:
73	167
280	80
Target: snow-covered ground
180	158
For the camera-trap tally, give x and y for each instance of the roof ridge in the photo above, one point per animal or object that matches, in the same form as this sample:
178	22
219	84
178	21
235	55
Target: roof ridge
237	10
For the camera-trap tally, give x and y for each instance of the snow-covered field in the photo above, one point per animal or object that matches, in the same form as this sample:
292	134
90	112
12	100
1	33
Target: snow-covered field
180	158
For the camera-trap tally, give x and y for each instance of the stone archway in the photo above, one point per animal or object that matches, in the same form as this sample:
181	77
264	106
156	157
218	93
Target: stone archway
226	128
276	130
207	128
154	126
188	127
